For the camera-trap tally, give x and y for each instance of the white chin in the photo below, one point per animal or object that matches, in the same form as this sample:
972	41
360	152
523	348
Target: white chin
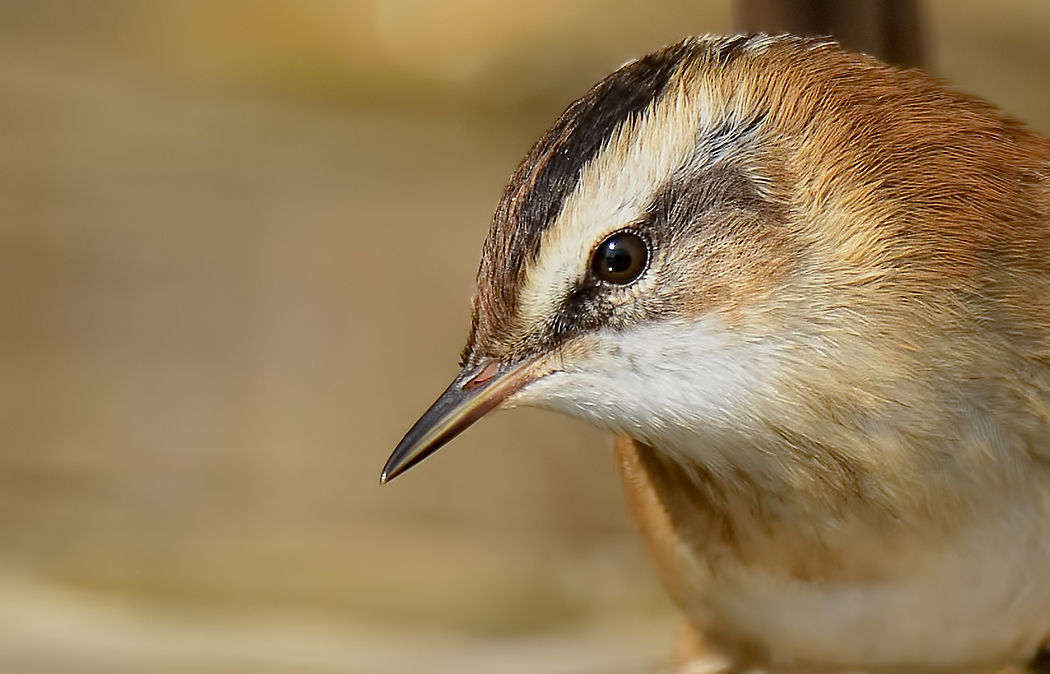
661	382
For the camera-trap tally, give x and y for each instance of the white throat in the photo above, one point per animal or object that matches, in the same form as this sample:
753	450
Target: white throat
675	384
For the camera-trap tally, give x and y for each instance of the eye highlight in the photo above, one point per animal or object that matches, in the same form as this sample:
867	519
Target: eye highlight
621	258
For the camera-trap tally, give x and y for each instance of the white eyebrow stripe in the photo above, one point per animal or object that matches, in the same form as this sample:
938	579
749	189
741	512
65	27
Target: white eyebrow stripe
613	191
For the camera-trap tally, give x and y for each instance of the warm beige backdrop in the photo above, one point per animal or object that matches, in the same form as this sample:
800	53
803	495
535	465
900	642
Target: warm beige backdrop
237	239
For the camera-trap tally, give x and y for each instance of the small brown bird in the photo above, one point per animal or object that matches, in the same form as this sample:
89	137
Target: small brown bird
811	295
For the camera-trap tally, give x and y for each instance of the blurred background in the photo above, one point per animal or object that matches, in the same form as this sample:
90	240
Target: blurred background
237	243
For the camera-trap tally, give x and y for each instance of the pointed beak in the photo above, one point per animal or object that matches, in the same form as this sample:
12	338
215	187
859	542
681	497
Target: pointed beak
475	392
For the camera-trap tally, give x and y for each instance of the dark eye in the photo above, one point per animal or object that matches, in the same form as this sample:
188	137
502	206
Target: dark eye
621	258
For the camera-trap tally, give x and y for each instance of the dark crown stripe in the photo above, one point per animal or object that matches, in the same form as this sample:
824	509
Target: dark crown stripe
551	170
584	128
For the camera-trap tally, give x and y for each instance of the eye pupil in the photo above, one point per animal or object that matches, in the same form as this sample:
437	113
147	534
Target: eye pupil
618	260
621	258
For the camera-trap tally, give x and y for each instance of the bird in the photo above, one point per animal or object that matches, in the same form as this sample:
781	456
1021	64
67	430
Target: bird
809	294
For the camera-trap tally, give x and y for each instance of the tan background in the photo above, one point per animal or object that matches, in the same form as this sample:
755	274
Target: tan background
237	239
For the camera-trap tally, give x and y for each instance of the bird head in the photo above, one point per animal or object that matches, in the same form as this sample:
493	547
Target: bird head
739	244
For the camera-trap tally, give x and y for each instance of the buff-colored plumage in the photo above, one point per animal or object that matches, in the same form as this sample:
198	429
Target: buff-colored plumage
831	375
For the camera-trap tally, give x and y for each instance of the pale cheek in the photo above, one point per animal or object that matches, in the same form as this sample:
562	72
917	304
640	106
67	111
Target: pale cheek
662	381
596	399
621	397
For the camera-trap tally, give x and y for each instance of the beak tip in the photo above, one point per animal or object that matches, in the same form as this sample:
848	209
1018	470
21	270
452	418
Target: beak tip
474	393
390	471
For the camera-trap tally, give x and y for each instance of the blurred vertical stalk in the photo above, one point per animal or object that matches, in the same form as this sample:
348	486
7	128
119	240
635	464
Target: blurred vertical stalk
890	30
